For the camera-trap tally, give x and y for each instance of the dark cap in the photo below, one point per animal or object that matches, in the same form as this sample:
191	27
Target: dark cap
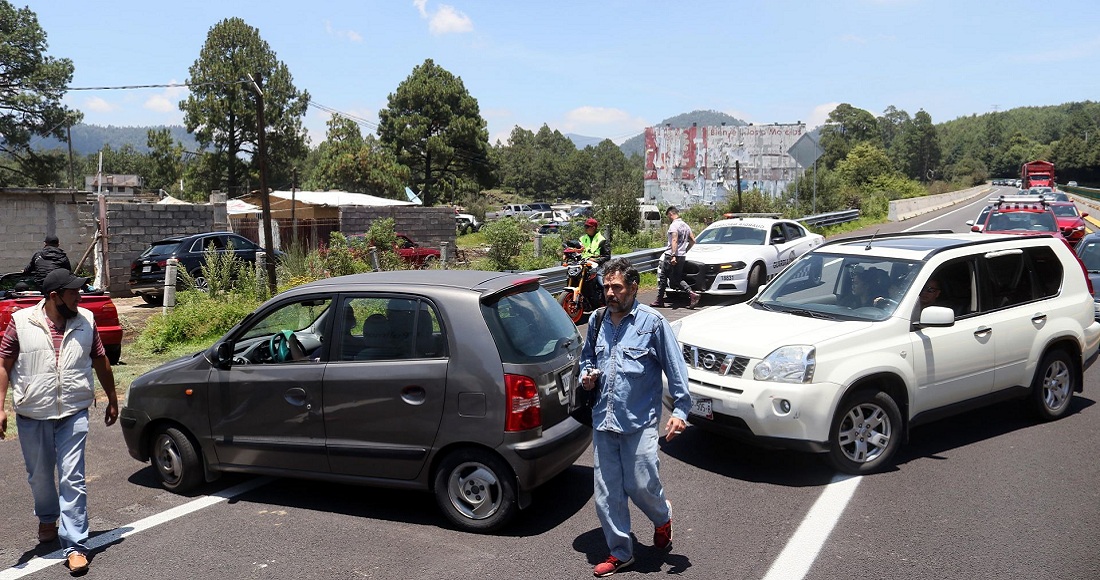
591	223
61	279
51	240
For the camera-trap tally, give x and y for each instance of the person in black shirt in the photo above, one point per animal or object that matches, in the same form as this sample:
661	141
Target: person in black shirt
46	260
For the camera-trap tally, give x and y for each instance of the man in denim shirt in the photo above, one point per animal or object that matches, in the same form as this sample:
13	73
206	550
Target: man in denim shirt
635	345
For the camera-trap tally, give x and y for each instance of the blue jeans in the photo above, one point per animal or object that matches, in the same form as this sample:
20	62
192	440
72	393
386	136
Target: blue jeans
625	466
55	447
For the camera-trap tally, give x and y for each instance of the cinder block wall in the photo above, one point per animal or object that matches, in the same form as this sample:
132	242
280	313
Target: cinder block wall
27	216
133	226
427	226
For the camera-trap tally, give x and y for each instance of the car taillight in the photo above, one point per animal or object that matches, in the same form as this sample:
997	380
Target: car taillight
521	394
162	263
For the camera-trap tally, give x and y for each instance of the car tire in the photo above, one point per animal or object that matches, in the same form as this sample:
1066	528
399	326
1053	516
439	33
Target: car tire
114	352
199	281
175	460
866	432
756	279
429	262
1053	386
154	300
476	490
463	230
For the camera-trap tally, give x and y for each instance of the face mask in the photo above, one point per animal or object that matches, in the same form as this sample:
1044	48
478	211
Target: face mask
64	310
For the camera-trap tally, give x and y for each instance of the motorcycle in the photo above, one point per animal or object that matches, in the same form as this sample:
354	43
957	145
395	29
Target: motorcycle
582	292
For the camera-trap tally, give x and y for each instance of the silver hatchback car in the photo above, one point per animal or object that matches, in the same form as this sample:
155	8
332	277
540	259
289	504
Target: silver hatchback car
456	382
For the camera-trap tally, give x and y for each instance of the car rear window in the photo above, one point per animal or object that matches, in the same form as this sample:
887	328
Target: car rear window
529	326
160	249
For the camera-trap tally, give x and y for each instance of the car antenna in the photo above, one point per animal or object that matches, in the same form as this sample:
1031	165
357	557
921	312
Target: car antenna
871	240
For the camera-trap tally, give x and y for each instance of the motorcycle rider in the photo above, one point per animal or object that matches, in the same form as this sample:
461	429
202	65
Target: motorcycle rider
596	248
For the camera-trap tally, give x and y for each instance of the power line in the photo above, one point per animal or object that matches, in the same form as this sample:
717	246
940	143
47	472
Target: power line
162	86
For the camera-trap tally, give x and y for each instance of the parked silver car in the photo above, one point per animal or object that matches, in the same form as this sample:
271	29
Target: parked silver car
455	382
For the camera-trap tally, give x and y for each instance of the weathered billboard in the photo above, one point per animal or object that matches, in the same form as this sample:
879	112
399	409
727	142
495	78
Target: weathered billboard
693	165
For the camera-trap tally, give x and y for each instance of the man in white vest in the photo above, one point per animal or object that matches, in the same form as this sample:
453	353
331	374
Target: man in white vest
47	355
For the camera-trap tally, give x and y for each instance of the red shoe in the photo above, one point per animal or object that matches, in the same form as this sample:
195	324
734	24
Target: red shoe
657	304
693	299
610	566
662	536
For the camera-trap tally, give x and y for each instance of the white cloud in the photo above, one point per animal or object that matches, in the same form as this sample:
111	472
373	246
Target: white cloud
349	35
445	20
166	101
98	105
160	104
819	115
853	39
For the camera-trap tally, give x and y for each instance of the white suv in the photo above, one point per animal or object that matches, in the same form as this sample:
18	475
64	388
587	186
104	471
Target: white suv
837	355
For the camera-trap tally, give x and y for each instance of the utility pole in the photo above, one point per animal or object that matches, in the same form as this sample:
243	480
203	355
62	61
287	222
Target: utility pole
265	197
293	204
737	166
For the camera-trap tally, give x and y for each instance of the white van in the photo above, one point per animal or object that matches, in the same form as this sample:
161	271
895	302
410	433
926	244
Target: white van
650	216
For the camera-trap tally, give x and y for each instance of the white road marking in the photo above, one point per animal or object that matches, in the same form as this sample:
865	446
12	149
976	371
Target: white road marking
56	557
796	558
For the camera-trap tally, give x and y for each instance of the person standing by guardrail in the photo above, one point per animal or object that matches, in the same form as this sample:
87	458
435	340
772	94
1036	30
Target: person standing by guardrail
680	240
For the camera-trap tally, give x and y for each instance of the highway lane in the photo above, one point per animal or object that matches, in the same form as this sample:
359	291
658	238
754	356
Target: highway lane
988	494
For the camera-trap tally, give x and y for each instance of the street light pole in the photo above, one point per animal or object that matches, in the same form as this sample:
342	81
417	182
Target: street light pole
265	197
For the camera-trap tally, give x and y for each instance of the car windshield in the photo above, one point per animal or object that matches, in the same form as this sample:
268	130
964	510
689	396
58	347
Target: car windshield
529	326
1029	221
744	235
1089	252
165	248
1065	210
840	287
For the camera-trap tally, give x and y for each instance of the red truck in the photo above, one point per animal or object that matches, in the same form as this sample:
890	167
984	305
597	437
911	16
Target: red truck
98	302
1037	174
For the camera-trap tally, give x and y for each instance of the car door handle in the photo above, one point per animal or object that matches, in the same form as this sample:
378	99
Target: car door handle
297	396
414	395
1039	317
983	331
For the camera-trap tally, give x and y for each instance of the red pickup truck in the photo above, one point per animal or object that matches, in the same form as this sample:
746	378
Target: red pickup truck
98	302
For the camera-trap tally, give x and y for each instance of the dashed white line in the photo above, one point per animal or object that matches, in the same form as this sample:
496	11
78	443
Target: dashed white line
56	557
796	558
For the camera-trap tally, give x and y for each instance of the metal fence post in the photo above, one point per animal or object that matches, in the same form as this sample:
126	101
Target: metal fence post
169	297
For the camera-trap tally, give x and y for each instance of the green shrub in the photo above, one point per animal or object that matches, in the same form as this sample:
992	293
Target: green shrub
197	318
506	238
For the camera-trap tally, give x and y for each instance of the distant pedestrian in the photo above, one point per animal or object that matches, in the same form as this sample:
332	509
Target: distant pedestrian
680	240
47	355
46	260
625	353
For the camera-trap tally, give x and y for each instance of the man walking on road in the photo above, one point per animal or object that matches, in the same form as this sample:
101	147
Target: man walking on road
625	352
680	240
47	355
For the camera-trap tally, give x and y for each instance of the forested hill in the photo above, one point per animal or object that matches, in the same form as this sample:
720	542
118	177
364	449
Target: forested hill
636	144
91	138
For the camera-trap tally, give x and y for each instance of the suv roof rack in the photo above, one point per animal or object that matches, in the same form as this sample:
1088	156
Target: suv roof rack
879	236
1020	199
751	215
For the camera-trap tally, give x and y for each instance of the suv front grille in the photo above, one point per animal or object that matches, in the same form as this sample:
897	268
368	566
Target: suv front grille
715	361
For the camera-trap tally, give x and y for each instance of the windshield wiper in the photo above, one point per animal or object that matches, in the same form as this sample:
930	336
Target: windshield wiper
811	314
763	305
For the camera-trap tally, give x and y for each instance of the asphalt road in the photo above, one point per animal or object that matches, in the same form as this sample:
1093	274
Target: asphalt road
989	494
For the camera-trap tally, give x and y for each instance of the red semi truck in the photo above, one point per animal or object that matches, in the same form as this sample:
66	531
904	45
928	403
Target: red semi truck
1037	174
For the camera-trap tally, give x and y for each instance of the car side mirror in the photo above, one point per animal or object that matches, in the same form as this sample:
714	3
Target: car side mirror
1085	215
222	354
936	316
970	223
975	228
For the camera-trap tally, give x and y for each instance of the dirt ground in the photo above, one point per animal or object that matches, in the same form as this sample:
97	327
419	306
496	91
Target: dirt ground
133	313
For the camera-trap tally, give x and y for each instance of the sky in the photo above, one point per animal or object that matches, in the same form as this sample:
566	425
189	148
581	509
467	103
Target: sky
600	68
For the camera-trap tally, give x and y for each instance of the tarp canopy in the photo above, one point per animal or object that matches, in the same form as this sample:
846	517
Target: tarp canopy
337	198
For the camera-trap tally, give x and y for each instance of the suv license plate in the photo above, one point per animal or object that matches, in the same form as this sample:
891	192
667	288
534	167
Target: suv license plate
146	269
702	407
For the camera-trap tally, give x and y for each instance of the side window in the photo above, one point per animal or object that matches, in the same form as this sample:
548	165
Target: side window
1007	281
1046	271
777	235
290	333
372	328
956	287
794	232
241	243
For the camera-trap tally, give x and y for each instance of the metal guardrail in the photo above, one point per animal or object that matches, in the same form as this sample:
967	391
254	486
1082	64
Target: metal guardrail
554	277
1088	192
831	218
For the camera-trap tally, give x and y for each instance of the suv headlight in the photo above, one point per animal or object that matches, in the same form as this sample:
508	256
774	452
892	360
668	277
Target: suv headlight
787	364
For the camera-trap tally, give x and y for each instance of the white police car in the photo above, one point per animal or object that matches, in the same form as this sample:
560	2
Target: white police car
735	256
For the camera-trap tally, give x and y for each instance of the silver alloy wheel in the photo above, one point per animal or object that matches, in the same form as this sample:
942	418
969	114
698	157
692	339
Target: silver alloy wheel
865	432
166	458
474	490
1057	386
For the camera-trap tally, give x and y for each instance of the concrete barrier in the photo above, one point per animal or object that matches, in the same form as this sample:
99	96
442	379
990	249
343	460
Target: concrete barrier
903	209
